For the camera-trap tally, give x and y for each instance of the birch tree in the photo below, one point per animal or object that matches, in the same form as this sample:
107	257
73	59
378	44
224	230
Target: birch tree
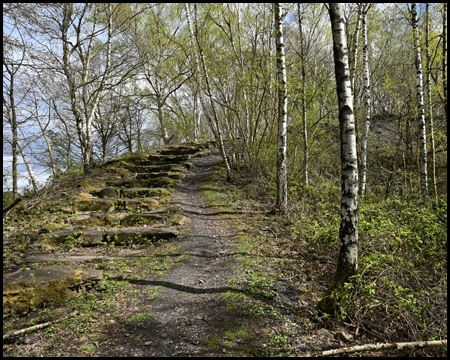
429	102
367	97
281	204
347	263
420	104
303	90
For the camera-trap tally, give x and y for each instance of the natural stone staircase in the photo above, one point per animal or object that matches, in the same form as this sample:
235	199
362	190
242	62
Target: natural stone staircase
128	202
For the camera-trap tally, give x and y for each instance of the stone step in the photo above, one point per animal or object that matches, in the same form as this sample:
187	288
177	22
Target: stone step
75	257
164	182
133	193
148	203
155	175
141	219
179	150
96	204
88	237
164	159
138	235
97	219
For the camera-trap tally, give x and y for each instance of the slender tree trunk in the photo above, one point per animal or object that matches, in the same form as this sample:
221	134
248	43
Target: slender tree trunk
281	204
305	124
215	128
367	98
28	165
52	162
355	48
420	103
429	103
347	263
444	56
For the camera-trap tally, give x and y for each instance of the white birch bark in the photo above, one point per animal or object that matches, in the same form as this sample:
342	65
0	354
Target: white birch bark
429	102
367	98
305	124
28	165
420	104
347	263
355	47
281	204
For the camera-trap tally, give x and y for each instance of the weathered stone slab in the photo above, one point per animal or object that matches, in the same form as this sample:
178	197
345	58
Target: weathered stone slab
146	203
95	204
205	152
180	150
139	235
158	182
98	219
141	219
133	193
92	184
124	183
75	257
169	158
77	237
45	285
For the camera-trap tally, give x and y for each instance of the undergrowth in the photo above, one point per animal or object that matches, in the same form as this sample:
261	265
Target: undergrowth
400	291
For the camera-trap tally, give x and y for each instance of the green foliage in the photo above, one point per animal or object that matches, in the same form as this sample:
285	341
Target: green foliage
402	270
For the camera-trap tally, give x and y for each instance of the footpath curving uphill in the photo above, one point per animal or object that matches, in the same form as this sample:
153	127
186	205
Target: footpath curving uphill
127	202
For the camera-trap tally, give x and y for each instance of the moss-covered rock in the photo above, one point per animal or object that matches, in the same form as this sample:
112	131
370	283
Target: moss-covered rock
72	237
92	184
98	219
145	203
109	193
95	204
45	285
137	235
133	193
141	219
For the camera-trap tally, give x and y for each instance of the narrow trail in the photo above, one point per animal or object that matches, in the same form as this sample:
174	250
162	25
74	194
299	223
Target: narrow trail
190	307
189	310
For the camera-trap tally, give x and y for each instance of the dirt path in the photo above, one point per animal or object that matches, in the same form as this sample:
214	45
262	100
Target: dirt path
189	308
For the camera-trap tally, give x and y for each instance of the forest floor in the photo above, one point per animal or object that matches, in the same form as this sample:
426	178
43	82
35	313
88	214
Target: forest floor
207	293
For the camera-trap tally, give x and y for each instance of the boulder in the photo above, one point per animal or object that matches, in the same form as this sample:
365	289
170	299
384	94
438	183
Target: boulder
39	287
